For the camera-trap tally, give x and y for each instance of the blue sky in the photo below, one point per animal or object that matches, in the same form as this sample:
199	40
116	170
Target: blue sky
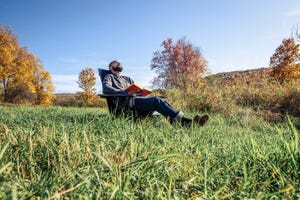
69	35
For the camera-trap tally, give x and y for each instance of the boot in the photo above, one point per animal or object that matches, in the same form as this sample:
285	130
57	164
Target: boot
185	121
201	119
198	119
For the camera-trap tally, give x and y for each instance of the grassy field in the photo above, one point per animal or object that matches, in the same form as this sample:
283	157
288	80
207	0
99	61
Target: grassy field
81	153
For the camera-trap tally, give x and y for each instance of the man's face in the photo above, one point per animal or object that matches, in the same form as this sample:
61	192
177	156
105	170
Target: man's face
116	68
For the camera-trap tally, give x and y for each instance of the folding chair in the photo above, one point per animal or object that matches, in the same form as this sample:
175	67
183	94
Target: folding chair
118	104
115	105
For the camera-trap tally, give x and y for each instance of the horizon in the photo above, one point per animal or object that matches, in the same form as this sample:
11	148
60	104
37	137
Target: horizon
70	35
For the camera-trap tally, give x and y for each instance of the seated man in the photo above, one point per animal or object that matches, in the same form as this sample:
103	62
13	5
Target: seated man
115	83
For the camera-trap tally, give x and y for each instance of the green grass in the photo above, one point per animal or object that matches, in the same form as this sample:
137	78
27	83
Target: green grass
80	153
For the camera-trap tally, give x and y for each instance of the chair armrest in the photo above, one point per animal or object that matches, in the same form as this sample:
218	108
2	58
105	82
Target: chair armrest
116	95
122	95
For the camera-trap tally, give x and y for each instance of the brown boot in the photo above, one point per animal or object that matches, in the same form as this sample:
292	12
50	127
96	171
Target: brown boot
201	119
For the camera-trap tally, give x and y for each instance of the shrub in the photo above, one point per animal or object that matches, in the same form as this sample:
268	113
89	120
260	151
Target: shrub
271	100
74	100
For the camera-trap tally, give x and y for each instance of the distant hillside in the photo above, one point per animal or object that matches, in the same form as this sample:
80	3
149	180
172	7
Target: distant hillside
66	96
73	100
66	99
242	76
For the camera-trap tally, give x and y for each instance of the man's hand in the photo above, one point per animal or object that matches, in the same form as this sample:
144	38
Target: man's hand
136	92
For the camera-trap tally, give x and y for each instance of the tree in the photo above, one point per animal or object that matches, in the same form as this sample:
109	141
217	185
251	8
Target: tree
284	61
87	81
44	89
21	74
179	65
8	47
21	87
295	33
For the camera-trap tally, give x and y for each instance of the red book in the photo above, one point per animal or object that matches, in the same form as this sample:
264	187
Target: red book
138	89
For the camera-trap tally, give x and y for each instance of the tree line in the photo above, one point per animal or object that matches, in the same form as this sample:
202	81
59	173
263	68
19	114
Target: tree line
179	64
23	78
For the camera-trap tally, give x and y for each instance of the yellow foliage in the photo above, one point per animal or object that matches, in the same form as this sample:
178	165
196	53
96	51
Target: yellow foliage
44	89
286	73
22	76
87	81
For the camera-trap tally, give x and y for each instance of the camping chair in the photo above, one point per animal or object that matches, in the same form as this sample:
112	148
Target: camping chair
115	105
114	101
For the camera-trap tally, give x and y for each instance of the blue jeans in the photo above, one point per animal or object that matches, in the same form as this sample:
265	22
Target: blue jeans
151	104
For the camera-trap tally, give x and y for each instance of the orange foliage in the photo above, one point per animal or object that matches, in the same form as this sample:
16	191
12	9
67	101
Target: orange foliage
179	65
284	61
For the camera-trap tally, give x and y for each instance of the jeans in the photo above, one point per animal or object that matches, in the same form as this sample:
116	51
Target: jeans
151	104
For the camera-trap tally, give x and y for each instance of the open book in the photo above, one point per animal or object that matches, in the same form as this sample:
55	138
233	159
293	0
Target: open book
138	89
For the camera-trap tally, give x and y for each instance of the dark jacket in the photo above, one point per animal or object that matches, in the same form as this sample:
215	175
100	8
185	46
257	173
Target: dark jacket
114	84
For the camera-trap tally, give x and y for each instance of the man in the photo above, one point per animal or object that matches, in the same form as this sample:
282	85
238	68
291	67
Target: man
115	83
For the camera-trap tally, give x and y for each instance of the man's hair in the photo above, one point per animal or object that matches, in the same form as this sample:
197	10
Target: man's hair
115	63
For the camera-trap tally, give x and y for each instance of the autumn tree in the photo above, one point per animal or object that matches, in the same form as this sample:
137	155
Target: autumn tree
87	81
285	61
178	65
44	89
295	33
19	71
21	86
8	48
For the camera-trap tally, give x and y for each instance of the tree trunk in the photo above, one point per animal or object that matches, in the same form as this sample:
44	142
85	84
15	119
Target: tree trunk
5	86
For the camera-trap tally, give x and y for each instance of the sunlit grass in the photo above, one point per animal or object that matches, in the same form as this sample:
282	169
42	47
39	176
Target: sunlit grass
87	153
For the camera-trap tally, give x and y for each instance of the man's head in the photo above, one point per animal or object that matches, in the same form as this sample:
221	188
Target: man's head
115	67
